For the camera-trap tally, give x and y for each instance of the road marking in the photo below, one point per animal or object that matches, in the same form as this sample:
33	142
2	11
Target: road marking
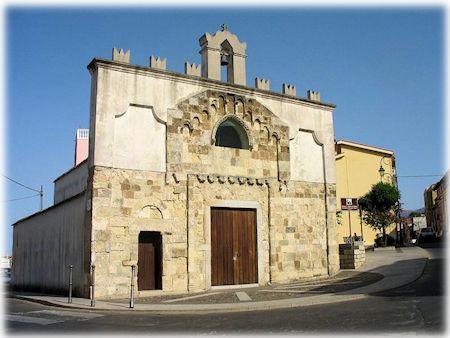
189	297
242	296
331	280
314	285
81	315
292	291
32	320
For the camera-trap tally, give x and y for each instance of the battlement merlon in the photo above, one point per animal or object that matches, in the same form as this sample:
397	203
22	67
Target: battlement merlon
192	69
289	89
313	95
262	84
120	55
158	63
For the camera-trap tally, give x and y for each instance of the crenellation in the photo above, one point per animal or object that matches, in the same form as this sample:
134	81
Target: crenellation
262	84
120	55
289	89
313	95
158	63
192	69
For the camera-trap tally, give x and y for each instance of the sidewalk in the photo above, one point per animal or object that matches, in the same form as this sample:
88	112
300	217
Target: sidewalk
384	269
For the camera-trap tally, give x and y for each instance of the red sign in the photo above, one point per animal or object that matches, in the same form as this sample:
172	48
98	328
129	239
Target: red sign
349	204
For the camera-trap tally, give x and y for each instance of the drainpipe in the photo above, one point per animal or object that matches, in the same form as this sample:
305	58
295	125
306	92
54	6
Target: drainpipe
278	161
187	231
326	208
269	230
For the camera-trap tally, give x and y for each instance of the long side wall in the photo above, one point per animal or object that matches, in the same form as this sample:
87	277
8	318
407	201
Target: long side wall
45	244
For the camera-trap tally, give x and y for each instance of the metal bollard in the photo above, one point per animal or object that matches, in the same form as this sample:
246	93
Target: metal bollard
70	283
132	287
92	285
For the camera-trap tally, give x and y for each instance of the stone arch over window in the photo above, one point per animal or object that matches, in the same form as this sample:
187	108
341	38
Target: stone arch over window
231	132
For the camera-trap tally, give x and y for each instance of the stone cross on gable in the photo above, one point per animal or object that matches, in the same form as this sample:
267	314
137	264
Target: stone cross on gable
224	27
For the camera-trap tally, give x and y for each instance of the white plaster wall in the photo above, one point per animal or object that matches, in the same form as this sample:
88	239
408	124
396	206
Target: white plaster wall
119	86
306	158
71	184
139	140
307	116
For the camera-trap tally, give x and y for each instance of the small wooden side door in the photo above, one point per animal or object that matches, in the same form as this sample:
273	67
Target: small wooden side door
149	261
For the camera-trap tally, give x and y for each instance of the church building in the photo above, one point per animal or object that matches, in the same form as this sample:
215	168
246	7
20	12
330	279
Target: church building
198	181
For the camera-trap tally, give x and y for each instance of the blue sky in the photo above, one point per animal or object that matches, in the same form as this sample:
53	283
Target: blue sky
382	67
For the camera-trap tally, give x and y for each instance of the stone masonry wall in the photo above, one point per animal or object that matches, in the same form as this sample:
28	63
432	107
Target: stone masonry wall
352	256
124	203
299	231
127	202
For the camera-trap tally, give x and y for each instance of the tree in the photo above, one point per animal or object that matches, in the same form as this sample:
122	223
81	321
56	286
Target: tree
380	206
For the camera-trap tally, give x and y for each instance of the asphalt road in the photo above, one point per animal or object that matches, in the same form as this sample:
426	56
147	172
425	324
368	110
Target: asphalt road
415	308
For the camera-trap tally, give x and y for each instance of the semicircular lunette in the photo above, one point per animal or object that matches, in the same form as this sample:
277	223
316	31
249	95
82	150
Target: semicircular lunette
151	211
230	131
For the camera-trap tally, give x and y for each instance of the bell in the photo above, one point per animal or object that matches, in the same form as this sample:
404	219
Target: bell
223	59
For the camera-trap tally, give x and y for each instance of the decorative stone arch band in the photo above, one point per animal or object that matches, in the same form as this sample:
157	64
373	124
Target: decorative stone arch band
237	120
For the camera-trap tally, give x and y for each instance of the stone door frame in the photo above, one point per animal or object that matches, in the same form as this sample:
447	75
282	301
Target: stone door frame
259	240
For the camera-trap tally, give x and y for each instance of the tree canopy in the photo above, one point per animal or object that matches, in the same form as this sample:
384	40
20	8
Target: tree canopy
380	206
381	198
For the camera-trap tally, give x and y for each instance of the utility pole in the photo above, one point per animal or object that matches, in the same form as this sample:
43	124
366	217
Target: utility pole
41	197
40	192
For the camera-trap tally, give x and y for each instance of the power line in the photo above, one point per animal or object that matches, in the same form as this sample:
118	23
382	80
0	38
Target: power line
21	198
41	192
23	185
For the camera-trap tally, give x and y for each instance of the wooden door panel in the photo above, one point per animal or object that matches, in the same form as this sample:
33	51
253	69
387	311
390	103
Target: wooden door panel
149	261
221	248
146	266
233	246
252	248
246	246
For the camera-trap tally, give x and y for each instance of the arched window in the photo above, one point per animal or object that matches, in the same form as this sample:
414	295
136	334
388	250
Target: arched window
232	135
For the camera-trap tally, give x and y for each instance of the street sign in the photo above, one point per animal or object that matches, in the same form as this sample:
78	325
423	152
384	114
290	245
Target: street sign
349	204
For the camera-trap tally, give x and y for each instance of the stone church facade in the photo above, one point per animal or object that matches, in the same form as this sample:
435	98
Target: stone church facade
202	183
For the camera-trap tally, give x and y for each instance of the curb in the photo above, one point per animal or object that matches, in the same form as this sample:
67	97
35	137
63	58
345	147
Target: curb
46	302
218	308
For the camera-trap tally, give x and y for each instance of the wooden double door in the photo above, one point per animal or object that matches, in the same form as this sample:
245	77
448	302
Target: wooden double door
149	261
233	246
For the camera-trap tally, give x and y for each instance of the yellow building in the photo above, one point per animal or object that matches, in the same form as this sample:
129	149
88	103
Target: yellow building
357	169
